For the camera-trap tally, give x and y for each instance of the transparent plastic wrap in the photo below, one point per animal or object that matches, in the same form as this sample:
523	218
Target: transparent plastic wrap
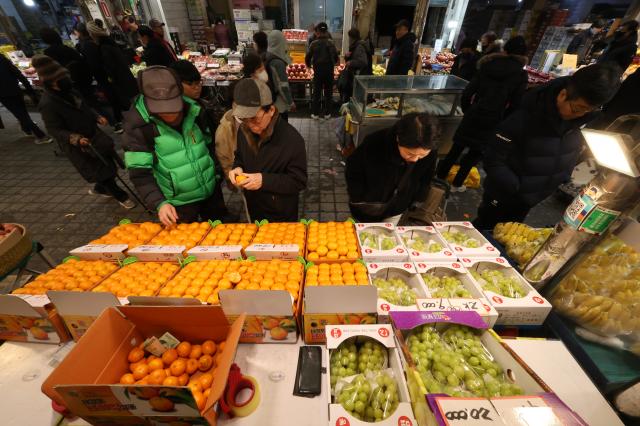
498	282
351	358
461	238
370	397
380	240
395	291
521	241
602	293
425	245
446	286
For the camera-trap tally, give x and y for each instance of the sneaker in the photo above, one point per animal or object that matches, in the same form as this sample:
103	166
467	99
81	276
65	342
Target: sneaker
460	188
43	140
327	116
315	117
93	191
127	204
117	128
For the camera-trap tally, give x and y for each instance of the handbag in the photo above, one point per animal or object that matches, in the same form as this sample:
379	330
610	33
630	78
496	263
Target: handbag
432	209
377	209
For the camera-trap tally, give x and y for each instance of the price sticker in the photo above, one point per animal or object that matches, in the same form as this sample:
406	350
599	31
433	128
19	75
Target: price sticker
467	411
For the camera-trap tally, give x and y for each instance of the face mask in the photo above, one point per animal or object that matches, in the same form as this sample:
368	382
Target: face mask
263	76
65	85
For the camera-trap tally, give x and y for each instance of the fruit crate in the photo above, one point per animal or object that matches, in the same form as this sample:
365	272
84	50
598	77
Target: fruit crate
399	286
271	237
423	243
135	278
464	239
379	243
129	233
321	241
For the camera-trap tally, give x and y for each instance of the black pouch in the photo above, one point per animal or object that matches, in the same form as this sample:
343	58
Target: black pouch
309	372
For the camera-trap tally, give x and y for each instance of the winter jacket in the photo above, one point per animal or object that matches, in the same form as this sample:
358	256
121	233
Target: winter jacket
375	169
359	57
91	52
156	54
278	81
624	102
226	141
282	159
221	33
10	76
496	90
494	47
401	59
68	119
74	62
322	54
166	165
465	65
621	51
118	72
534	150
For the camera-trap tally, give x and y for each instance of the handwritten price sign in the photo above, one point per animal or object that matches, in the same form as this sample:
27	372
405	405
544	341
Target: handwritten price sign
460	411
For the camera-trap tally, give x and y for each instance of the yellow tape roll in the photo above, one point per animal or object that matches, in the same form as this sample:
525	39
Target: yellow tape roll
248	407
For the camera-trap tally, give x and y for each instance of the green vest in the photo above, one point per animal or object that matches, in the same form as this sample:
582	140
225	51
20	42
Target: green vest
183	166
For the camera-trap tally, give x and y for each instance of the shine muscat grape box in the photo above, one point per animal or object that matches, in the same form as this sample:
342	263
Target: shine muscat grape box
379	243
423	243
398	285
465	240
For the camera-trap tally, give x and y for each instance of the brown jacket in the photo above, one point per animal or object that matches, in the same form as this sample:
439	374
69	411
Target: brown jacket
226	141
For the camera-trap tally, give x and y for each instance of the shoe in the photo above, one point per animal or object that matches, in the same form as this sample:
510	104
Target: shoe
127	204
327	116
43	140
117	128
460	188
93	191
315	117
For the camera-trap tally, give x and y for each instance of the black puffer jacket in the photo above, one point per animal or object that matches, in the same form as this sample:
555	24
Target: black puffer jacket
494	91
465	65
621	51
534	150
156	54
401	58
118	72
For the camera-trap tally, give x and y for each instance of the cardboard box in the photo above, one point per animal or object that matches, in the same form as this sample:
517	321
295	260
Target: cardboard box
152	253
429	235
27	318
108	252
405	322
216	252
477	302
531	309
80	309
273	251
403	270
336	305
484	247
383	334
380	230
83	382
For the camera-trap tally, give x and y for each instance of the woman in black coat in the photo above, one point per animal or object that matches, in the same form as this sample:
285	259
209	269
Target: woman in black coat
391	169
74	126
466	63
623	47
494	91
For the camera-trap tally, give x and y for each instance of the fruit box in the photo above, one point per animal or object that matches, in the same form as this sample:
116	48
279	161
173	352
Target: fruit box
273	251
153	253
80	309
403	270
373	239
484	247
382	333
531	309
108	252
336	305
30	318
476	302
516	371
427	234
216	252
84	381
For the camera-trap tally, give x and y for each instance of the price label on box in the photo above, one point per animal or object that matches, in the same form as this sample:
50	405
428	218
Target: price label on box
150	253
216	252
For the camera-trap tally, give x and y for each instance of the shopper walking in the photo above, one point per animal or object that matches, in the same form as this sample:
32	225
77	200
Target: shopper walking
275	62
465	63
270	161
623	47
12	98
495	91
537	146
116	66
322	56
154	52
158	29
401	57
391	170
583	41
168	150
357	62
74	125
489	43
222	34
132	32
261	43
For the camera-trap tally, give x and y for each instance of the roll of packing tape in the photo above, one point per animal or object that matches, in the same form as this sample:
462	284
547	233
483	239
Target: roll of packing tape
250	405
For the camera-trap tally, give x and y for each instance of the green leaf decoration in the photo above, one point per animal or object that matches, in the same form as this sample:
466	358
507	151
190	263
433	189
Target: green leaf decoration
187	260
351	220
251	258
214	223
124	221
263	222
301	260
361	262
308	265
68	258
129	260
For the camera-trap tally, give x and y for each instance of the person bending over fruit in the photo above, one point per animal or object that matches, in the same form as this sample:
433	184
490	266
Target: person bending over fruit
168	150
270	160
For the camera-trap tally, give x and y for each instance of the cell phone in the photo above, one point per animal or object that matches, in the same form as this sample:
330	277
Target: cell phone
309	373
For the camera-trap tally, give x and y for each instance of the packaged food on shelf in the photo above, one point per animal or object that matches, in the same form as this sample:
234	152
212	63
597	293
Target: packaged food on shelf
331	242
520	241
464	239
423	243
399	286
379	243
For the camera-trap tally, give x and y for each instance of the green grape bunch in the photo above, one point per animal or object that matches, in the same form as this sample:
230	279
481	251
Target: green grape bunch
371	357
343	362
461	239
370	401
369	239
395	291
446	287
419	244
498	282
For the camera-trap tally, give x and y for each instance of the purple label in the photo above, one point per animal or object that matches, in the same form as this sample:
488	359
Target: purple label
407	320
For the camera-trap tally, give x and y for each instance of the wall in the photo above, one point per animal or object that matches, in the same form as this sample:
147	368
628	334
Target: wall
176	15
10	10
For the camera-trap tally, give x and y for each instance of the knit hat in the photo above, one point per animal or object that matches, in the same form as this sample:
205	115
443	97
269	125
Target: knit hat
95	31
48	70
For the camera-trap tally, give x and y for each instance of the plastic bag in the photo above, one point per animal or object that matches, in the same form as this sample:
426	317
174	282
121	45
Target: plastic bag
353	393
472	180
353	357
395	291
372	397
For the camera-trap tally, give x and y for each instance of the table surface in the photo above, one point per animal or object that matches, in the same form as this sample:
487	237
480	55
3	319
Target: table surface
24	366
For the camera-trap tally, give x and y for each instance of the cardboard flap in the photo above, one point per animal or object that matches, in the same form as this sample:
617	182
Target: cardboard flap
340	299
82	303
162	301
256	302
405	320
12	305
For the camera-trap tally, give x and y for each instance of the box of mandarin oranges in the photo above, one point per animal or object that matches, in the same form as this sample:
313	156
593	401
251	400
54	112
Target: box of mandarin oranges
114	244
148	364
284	241
224	241
331	242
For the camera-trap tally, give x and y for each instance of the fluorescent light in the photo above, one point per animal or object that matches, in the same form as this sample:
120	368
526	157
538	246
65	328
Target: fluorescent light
29	3
610	151
452	24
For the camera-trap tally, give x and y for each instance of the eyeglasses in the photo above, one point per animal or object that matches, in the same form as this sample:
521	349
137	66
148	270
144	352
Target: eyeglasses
578	109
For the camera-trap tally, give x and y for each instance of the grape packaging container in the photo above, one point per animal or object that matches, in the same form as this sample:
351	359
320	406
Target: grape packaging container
379	243
516	301
423	243
398	285
366	381
465	240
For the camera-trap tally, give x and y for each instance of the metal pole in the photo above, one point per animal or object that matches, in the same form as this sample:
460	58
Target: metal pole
419	22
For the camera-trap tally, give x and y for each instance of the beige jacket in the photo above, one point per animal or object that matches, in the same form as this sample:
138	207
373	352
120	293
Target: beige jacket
226	141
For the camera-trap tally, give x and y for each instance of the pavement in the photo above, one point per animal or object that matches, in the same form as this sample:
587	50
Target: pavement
45	193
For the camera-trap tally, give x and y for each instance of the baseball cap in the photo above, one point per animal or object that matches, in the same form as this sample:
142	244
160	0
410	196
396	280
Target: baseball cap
248	96
155	23
161	89
403	23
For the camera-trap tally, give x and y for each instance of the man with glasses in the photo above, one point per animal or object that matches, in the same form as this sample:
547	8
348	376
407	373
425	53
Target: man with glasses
271	161
536	148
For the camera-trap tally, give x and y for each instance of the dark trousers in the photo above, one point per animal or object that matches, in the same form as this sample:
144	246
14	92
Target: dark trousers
15	104
322	87
467	162
110	186
210	209
493	210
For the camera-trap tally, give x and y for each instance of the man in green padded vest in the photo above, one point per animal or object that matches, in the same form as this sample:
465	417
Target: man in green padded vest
169	150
